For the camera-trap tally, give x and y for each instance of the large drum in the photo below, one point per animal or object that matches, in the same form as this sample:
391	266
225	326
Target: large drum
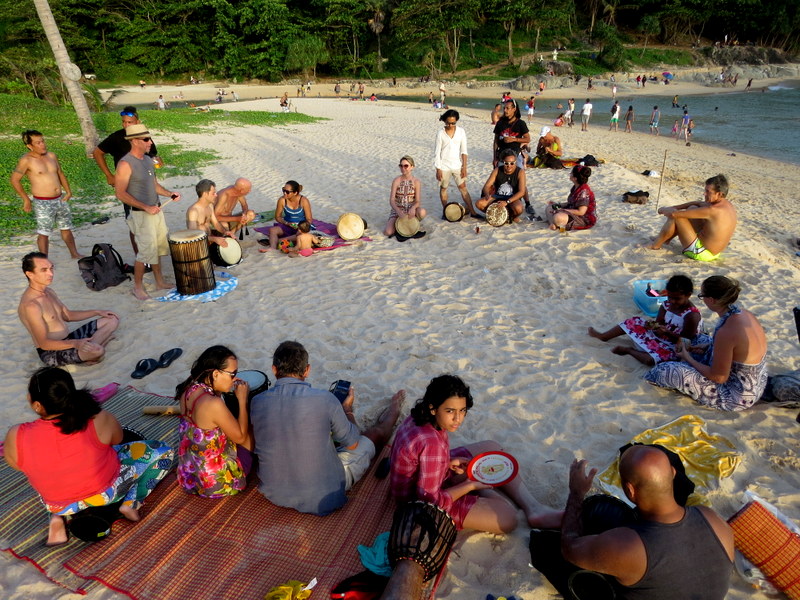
497	215
256	380
424	533
350	227
454	212
407	226
228	256
194	273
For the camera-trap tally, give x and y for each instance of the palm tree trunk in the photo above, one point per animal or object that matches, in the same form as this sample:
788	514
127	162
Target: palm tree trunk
64	65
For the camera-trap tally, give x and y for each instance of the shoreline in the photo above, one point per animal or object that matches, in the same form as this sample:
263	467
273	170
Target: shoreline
506	308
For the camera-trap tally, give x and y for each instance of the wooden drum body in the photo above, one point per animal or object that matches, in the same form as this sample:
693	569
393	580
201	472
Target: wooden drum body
194	273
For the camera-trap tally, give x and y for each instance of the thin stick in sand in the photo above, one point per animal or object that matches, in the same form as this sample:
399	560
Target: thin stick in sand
663	166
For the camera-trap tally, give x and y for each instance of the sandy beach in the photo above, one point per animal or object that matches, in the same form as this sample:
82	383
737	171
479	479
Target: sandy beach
506	308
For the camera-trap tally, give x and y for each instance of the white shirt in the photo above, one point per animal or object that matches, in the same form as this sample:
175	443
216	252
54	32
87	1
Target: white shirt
448	151
587	109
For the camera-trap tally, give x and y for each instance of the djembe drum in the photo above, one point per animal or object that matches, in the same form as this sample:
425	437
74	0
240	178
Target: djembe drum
497	215
194	273
423	533
454	212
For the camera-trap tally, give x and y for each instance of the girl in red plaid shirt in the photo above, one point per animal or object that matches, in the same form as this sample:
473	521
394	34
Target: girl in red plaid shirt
425	468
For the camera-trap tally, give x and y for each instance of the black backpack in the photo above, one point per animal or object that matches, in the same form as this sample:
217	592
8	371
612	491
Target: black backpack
104	268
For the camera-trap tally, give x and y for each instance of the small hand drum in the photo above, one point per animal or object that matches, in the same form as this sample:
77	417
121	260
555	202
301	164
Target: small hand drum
497	215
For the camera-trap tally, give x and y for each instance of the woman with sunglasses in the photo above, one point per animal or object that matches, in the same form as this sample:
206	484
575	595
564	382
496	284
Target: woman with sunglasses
732	372
214	451
74	457
292	209
404	197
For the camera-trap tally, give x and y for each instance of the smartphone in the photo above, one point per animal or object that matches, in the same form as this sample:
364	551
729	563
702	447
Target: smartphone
340	388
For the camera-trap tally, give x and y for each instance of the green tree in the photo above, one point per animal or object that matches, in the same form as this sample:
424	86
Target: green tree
306	53
510	14
649	25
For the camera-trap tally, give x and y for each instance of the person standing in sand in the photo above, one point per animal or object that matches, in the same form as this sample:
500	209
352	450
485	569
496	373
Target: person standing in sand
654	118
309	448
586	114
704	228
50	191
46	317
200	215
136	185
226	202
450	158
423	467
405	196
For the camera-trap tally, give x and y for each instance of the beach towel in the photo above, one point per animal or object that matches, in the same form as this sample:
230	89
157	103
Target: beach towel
23	520
322	227
225	283
707	457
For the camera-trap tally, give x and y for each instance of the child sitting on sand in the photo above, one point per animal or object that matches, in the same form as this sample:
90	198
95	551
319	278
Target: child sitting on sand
677	318
304	240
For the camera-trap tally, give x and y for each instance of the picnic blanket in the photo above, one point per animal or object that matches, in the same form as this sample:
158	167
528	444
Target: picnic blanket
326	228
187	547
706	457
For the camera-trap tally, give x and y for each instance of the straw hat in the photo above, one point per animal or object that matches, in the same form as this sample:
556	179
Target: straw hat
407	226
136	131
350	226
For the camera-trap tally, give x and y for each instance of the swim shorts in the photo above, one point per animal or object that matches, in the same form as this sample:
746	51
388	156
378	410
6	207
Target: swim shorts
69	356
356	462
697	251
51	213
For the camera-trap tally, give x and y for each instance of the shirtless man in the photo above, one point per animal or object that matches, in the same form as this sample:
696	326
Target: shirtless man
45	317
50	191
226	202
200	215
548	146
704	228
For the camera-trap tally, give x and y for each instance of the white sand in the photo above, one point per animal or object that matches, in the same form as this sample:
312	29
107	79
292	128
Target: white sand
507	308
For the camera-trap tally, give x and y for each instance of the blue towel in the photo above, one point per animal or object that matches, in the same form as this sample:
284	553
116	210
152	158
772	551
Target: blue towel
225	283
376	557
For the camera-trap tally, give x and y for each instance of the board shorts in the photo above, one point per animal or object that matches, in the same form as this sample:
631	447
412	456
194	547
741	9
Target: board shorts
68	356
151	233
356	461
51	213
697	251
446	175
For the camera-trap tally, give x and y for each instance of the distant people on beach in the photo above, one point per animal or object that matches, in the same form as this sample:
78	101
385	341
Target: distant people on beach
50	190
214	451
704	228
685	121
580	210
73	455
310	450
200	215
161	104
677	319
630	117
284	102
405	196
655	117
644	555
531	106
730	372
586	114
506	185
225	205
615	111
45	317
424	467
497	113
292	208
450	159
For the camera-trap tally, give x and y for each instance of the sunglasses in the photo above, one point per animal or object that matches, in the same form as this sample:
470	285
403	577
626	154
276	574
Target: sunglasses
402	166
449	122
508	164
125	113
143	139
231	373
286	192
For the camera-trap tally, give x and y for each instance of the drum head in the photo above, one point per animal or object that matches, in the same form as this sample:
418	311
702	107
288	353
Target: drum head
254	379
496	215
227	256
187	235
350	226
407	226
454	212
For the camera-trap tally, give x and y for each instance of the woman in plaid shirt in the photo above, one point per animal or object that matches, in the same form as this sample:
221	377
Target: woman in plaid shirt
425	468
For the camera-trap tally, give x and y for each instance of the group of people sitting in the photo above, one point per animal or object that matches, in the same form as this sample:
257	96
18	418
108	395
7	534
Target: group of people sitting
307	450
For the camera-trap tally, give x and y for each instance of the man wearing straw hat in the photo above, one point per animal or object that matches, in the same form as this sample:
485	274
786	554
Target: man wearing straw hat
136	185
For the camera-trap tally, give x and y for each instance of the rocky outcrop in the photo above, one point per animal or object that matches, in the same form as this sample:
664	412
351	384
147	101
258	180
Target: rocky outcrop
746	55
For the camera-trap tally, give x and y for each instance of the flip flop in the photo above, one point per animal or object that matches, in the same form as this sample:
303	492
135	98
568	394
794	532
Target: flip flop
169	357
144	367
56	544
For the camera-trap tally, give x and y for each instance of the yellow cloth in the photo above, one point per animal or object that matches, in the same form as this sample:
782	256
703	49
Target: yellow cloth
706	457
291	590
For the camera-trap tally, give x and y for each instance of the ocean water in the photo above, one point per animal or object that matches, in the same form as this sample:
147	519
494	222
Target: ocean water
765	124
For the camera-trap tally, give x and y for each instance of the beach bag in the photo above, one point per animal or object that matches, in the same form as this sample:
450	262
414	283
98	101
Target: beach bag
589	161
638	197
362	586
104	268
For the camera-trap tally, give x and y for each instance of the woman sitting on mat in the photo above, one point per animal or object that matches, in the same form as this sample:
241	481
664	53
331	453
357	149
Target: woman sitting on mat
72	454
579	211
423	467
677	318
292	208
404	197
732	373
214	455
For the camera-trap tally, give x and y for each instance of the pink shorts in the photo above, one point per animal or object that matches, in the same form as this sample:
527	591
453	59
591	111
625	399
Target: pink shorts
463	505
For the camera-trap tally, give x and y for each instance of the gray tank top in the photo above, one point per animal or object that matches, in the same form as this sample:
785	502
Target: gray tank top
142	184
685	560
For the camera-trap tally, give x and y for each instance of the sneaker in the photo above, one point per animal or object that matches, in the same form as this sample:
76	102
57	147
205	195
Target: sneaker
529	209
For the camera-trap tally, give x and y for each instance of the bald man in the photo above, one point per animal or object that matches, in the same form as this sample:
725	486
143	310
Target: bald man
670	552
227	200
